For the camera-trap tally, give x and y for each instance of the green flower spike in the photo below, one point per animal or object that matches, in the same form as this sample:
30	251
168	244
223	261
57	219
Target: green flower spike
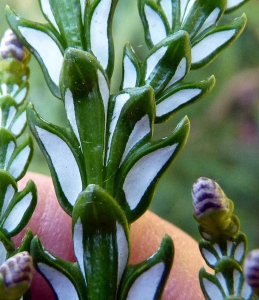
16	208
223	246
15	276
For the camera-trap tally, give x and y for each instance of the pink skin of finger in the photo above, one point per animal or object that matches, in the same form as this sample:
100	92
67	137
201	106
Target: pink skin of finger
53	226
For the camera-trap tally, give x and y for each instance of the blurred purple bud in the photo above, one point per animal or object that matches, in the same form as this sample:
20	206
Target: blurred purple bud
251	269
207	196
11	47
17	269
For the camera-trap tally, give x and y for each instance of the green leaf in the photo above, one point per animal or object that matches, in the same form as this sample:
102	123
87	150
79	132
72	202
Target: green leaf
20	158
62	152
43	43
155	23
131	68
68	18
19	210
168	62
150	276
202	15
101	237
140	173
176	97
64	277
131	119
99	32
85	90
206	48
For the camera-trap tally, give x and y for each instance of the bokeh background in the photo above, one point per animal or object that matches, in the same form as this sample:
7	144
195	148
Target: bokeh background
224	139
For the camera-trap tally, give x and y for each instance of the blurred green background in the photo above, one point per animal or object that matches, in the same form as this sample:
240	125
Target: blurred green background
224	140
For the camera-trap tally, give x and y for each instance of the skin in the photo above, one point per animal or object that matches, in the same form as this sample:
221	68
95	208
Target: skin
53	226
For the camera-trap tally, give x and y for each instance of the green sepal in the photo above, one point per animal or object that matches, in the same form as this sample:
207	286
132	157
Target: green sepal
13	71
217	225
233	6
176	97
199	13
68	17
101	238
131	68
160	262
21	158
148	162
84	80
25	243
138	107
56	270
14	292
100	43
7	243
161	65
231	30
153	34
19	210
63	170
51	75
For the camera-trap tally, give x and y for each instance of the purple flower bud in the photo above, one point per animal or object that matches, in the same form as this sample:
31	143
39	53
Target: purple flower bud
17	269
251	269
207	196
11	47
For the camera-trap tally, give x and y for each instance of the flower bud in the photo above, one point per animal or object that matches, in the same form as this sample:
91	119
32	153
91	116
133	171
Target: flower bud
251	270
213	210
16	274
207	196
11	47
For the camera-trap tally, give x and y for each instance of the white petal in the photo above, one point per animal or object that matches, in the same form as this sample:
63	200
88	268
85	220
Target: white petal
47	50
145	286
120	102
123	250
9	152
19	124
140	130
156	26
154	59
11	113
210	44
3	253
211	258
233	3
99	32
236	280
175	100
78	245
180	72
143	173
18	164
63	162
167	8
130	73
14	218
212	290
47	11
239	251
211	20
223	283
61	284
19	97
70	110
7	198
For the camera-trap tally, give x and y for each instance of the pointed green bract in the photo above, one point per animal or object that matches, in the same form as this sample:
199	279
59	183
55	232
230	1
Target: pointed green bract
84	85
97	221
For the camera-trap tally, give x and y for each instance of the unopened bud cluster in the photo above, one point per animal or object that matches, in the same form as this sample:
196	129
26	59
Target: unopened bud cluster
11	47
